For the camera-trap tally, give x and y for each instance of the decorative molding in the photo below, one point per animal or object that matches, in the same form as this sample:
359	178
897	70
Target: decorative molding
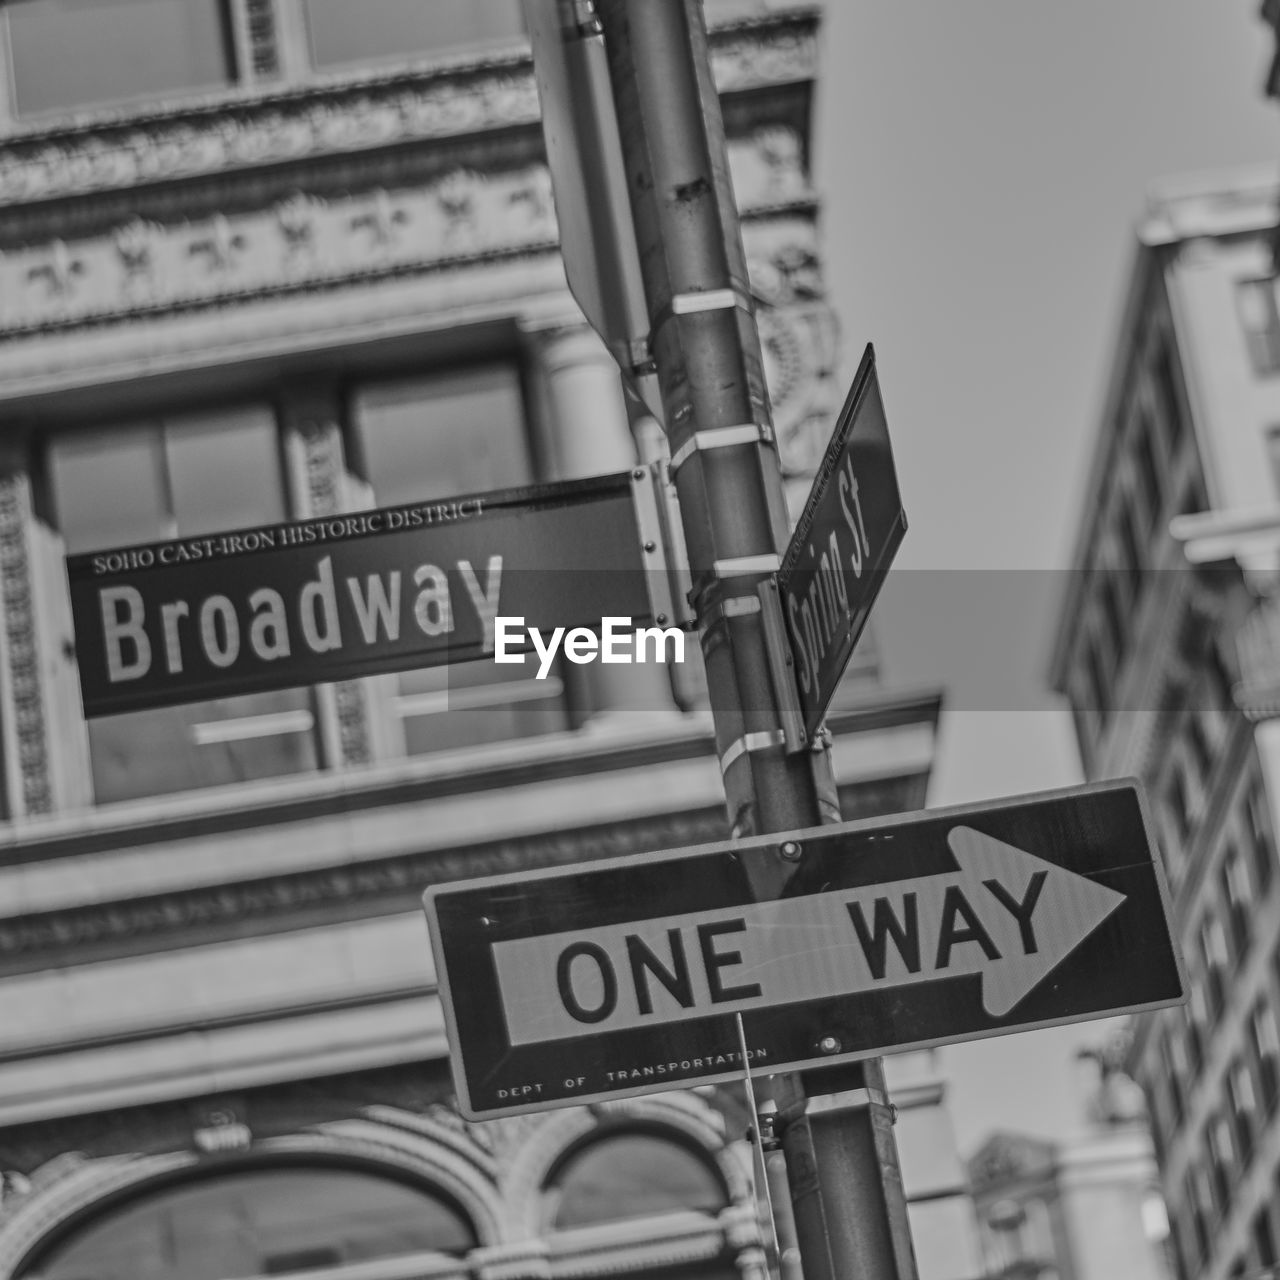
1258	651
159	922
140	269
768	169
301	242
526	1168
515	1260
1010	1157
653	1244
260	24
26	738
798	337
772	50
422	1156
80	1182
114	150
504	1198
109	151
442	1124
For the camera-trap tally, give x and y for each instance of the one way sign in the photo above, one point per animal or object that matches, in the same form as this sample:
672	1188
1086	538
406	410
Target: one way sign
900	933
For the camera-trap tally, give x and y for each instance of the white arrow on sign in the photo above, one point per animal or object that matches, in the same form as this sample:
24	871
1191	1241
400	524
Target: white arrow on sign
1004	914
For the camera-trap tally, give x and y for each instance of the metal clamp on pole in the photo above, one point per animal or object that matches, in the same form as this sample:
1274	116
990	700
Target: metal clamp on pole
693	301
746	566
781	666
719	610
765	740
720	438
847	1100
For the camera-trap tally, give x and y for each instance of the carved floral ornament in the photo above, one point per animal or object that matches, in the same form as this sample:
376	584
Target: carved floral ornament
301	241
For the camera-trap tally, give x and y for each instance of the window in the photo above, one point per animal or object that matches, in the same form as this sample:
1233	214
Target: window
1201	752
257	1223
1264	1240
1243	1106
631	1175
1234	883
1176	798
1097	684
77	53
1115	631
1200	1198
1213	954
1149	484
443	436
1169	401
1195	498
1264	1043
170	478
1195	1017
1177	1071
1219	689
1256	307
1221	1159
1130	551
342	32
1264	855
1273	454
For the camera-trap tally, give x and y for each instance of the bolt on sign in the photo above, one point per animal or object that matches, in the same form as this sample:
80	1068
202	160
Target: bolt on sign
847	535
360	593
625	976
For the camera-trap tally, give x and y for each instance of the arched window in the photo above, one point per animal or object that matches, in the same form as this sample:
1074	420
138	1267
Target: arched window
259	1222
631	1175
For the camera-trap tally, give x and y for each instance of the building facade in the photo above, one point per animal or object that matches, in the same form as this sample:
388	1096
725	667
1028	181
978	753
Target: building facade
1166	652
1084	1208
263	260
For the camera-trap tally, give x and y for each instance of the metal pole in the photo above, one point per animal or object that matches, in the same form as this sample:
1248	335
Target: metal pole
841	1157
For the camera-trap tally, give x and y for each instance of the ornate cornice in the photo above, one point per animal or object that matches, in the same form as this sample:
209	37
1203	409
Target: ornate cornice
246	128
162	922
120	151
140	269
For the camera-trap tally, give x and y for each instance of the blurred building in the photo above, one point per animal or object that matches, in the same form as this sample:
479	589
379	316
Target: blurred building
270	259
1167	651
1087	1208
944	1227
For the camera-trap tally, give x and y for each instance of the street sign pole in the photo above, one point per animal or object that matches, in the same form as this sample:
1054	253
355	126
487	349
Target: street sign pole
706	347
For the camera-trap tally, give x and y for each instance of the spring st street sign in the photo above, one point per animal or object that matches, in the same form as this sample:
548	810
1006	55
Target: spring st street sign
625	976
842	546
360	593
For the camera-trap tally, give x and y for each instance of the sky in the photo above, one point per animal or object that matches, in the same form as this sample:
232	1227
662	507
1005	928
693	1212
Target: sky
983	164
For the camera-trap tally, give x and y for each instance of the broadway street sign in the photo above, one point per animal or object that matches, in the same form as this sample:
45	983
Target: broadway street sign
357	594
623	977
843	544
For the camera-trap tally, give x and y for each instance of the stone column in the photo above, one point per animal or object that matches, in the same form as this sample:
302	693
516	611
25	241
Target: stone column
588	434
315	471
42	727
